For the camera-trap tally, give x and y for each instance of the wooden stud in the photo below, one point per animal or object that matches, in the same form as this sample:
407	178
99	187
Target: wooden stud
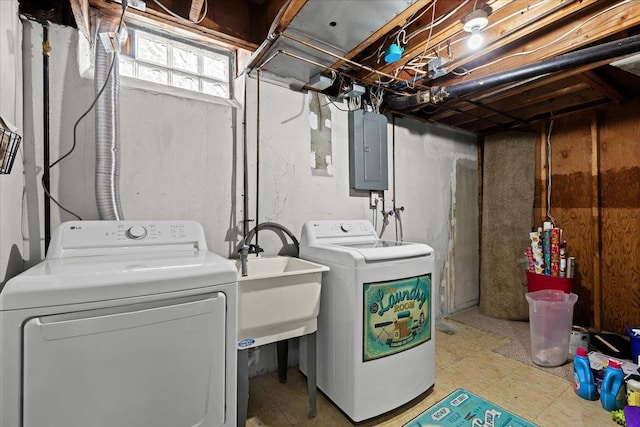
80	10
595	222
195	11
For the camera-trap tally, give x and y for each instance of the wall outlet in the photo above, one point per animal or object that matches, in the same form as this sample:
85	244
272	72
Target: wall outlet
374	198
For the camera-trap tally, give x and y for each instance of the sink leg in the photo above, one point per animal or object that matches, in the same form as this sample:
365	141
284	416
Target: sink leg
311	373
283	359
243	387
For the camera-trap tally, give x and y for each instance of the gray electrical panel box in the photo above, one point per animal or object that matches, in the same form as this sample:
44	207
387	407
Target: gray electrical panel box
368	151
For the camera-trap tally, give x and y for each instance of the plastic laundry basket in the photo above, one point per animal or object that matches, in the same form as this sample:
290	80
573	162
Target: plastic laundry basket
550	319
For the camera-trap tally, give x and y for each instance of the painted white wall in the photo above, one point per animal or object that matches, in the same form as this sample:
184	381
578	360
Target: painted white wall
11	185
182	159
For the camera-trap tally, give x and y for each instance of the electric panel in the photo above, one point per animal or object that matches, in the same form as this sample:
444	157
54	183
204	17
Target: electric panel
368	151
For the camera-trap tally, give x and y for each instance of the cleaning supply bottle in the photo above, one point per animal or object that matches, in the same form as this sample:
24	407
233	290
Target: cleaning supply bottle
612	391
583	381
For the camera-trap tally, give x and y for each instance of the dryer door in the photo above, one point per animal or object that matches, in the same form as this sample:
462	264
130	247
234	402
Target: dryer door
148	365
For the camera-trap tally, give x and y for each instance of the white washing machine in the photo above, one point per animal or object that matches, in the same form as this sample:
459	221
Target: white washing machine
376	332
125	323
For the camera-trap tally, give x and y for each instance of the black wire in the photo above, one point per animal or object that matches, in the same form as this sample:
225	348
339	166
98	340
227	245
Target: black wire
75	126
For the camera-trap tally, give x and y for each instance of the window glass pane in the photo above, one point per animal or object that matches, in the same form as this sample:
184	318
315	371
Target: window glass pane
215	66
170	62
215	88
153	74
185	58
185	81
152	50
126	67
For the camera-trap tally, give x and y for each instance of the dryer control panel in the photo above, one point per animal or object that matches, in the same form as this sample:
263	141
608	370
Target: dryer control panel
88	238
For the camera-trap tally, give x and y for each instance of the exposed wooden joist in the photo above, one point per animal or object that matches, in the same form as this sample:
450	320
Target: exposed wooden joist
508	91
517	21
561	39
605	88
286	15
417	46
80	10
195	11
400	20
181	27
536	100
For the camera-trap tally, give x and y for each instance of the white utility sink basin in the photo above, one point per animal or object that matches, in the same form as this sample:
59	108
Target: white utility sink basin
278	299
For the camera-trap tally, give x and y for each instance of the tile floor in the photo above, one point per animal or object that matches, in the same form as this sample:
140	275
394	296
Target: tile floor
463	360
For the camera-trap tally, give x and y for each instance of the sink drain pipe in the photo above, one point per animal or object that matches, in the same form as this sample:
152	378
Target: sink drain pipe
438	94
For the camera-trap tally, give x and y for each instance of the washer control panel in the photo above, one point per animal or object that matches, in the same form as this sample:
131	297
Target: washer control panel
328	230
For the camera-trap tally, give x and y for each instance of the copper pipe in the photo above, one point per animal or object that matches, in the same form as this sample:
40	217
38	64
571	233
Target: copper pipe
309	61
361	66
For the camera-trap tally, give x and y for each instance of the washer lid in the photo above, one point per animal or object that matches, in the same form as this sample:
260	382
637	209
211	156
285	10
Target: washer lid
77	280
381	250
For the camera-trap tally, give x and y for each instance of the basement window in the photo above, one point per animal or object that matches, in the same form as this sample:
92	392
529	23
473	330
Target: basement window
160	60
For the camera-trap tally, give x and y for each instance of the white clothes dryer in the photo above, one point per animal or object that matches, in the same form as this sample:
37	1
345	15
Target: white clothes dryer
125	323
376	332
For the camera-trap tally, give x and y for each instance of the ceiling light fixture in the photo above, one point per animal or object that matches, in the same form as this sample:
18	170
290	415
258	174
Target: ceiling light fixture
474	23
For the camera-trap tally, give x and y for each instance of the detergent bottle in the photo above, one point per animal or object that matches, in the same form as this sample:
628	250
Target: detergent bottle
612	391
583	381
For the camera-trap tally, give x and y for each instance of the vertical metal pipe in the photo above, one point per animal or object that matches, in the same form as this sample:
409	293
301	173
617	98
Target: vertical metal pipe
257	150
245	165
46	48
393	157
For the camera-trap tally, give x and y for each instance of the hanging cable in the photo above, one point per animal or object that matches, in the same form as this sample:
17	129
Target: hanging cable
75	126
549	216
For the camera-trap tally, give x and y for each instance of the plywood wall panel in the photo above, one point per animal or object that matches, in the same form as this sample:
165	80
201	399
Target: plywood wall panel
620	223
571	201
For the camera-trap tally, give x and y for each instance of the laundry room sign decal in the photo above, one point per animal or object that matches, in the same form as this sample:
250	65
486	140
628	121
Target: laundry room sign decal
397	316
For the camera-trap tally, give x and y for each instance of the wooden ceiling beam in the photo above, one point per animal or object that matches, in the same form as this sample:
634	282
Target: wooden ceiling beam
510	21
608	90
195	11
80	9
539	98
400	20
417	45
551	43
508	91
286	15
510	25
182	27
545	115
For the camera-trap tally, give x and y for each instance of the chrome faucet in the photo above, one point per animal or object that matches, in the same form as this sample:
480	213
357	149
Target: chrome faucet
248	248
244	252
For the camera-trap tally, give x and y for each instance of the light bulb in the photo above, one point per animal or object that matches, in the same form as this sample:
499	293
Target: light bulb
475	40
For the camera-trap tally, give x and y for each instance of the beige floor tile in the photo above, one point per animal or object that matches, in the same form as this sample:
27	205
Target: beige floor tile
463	360
572	410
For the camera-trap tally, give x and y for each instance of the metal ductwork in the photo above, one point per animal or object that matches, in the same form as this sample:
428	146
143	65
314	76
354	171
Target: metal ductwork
577	58
107	172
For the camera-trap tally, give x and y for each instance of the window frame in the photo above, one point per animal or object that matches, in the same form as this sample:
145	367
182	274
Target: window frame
87	58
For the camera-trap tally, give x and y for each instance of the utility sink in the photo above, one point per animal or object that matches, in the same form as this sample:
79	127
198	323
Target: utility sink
278	299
